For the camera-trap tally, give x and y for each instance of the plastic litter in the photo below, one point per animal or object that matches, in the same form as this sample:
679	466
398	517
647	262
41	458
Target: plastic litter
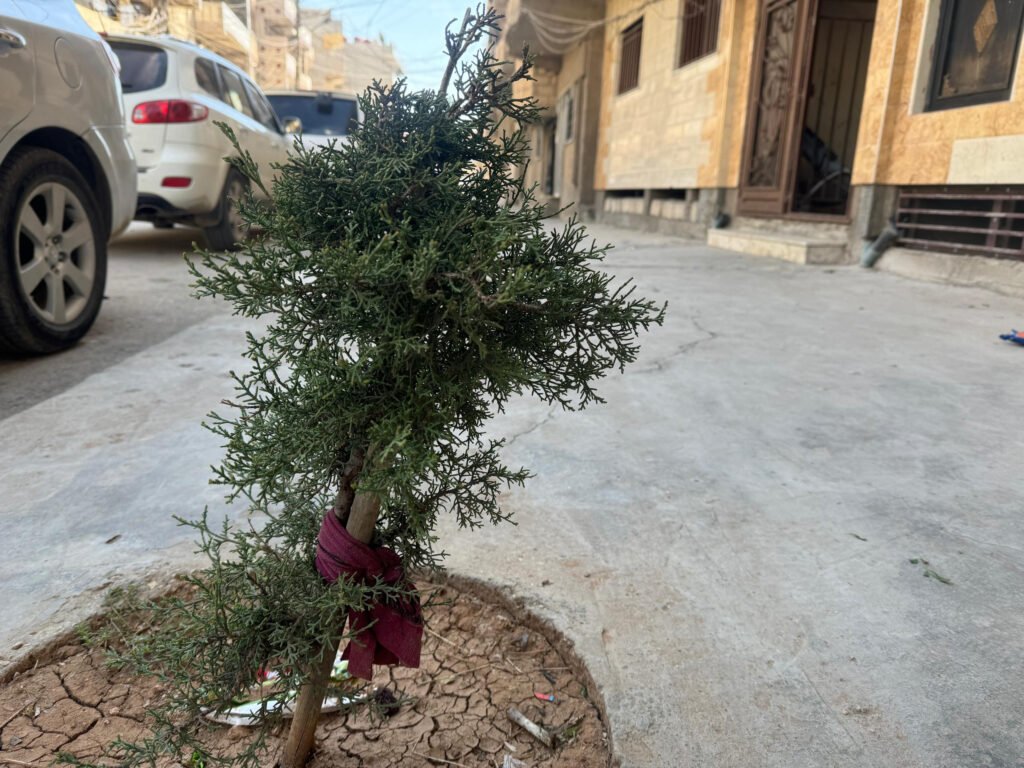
541	734
1014	337
250	707
544	696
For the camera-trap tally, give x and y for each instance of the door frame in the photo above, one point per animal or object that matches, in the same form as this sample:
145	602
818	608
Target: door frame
776	201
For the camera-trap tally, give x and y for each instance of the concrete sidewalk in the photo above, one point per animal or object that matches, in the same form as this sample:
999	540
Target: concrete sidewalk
728	540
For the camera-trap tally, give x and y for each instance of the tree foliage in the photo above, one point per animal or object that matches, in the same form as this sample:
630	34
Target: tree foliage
409	286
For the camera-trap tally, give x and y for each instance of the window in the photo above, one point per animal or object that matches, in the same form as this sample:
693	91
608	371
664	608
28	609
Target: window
629	61
143	67
206	77
976	52
567	114
263	111
320	113
700	29
234	92
549	144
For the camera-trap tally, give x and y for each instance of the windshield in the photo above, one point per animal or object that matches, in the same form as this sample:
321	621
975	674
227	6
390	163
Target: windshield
320	113
143	67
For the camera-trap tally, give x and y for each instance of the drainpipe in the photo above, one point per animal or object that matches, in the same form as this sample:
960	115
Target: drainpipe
873	251
721	219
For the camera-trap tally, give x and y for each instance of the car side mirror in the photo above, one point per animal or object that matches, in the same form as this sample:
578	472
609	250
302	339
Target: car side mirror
292	124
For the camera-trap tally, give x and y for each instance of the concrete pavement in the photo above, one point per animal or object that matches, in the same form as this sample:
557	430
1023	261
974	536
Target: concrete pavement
727	541
146	301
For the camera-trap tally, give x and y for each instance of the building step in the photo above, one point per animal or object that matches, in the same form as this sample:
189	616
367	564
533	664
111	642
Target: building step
823	248
823	229
1004	276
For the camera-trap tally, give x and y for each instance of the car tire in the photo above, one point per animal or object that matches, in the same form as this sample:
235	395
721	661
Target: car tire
229	233
53	253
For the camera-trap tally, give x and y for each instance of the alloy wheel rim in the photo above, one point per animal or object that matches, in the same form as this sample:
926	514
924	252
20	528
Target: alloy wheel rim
55	252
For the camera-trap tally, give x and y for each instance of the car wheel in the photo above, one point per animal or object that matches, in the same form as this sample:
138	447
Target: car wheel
232	230
53	253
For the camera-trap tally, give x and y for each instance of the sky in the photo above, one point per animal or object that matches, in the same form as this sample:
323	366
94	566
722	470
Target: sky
414	27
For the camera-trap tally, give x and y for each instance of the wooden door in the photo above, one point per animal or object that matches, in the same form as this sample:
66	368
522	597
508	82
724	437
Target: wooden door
777	94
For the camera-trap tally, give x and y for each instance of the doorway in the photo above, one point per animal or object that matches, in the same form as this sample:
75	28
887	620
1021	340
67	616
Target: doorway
808	78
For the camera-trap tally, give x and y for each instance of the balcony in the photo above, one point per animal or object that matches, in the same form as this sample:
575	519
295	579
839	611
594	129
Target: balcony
281	13
532	23
218	27
124	19
277	66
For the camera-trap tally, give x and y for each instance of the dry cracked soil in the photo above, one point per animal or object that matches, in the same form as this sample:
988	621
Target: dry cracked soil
475	665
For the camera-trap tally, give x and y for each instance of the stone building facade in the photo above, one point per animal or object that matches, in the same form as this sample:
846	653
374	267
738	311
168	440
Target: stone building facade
803	129
222	26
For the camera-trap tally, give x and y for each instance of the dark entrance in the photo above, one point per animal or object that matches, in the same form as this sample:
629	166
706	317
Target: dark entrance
805	106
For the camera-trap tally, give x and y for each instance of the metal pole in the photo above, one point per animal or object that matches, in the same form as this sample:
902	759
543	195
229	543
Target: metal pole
298	43
252	37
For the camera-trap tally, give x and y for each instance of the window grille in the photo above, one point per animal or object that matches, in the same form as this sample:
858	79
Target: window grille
700	29
983	221
629	65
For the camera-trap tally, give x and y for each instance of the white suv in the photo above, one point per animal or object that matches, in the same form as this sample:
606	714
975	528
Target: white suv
174	92
67	175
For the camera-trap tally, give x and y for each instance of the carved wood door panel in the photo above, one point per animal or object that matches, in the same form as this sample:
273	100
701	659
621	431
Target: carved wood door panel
777	94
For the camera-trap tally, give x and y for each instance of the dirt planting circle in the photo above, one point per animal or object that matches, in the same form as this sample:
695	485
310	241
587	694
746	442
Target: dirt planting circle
481	656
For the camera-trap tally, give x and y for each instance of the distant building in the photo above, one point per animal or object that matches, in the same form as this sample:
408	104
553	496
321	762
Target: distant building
285	47
275	42
367	60
223	27
327	69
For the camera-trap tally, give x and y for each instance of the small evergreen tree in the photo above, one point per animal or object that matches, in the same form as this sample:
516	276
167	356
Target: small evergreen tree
410	287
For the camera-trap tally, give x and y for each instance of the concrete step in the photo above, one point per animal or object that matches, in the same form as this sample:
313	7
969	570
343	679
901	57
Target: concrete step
798	227
823	248
1004	276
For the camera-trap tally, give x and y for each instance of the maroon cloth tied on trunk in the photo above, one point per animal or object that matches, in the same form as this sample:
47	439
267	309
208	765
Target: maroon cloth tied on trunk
386	632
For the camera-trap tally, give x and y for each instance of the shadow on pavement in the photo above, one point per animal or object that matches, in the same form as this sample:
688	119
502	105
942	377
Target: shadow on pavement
143	240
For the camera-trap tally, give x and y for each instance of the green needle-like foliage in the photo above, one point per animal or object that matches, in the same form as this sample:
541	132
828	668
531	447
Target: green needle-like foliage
409	287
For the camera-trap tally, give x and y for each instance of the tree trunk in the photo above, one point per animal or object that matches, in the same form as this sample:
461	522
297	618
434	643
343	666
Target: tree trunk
362	519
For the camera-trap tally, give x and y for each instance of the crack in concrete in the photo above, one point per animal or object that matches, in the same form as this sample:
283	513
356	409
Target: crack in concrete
831	712
550	415
658	365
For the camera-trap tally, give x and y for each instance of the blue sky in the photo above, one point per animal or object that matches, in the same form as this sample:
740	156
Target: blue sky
414	27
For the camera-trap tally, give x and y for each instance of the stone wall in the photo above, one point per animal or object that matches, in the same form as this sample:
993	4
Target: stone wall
682	127
900	143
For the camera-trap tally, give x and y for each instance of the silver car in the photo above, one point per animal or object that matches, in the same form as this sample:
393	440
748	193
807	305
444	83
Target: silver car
67	173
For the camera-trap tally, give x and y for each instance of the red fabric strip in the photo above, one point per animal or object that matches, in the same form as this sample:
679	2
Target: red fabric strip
396	634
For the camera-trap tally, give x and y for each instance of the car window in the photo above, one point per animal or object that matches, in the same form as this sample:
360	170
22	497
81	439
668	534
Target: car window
234	92
264	112
206	77
143	67
320	113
